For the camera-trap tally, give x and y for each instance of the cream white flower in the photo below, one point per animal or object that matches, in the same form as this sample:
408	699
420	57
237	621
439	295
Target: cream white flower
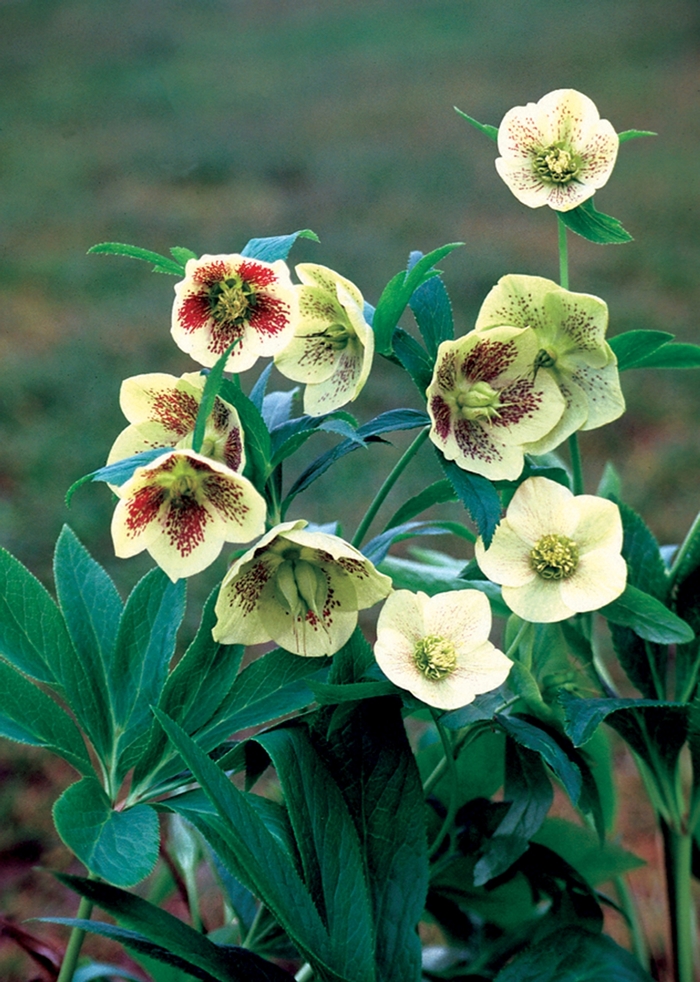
556	554
570	330
299	589
162	411
438	647
333	346
557	151
230	298
182	507
485	401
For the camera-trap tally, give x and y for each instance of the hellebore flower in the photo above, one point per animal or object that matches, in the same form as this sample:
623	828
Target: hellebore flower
557	151
182	507
438	648
485	401
570	329
300	589
333	346
554	554
162	411
223	299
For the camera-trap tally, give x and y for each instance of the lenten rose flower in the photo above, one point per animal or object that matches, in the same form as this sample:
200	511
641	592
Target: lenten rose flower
438	647
485	401
300	589
557	151
570	329
225	298
333	346
162	411
182	507
555	554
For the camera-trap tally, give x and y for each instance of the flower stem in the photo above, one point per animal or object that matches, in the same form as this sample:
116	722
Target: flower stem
305	973
70	959
388	484
452	772
563	254
629	907
576	463
679	846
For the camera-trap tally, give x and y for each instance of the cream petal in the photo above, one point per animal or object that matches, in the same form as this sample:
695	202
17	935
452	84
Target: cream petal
605	399
507	560
481	669
524	182
565	197
572	116
188	543
542	507
138	518
307	358
463	616
321	276
516	300
600	578
402	616
573	418
599	524
539	601
238	510
581	322
475	447
156	397
599	154
524	130
239	619
530	408
342	386
139	437
335	556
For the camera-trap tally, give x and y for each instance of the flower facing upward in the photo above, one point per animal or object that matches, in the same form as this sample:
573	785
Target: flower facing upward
570	330
554	554
182	507
162	411
333	346
438	648
223	299
485	401
300	589
557	151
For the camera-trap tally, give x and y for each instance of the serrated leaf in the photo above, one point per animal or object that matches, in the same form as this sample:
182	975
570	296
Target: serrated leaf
378	547
276	247
490	131
534	738
593	225
434	494
161	264
676	355
327	694
645	564
212	387
413	357
634	134
478	496
633	347
582	849
119	846
30	716
182	255
255	433
431	307
647	617
257	393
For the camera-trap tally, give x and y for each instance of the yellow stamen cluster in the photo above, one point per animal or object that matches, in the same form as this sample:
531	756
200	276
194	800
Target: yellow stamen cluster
435	657
556	164
555	557
231	299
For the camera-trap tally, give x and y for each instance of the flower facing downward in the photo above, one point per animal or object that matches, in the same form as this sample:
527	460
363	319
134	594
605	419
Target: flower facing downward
438	648
570	330
333	346
557	151
554	554
162	411
182	507
485	401
223	299
300	589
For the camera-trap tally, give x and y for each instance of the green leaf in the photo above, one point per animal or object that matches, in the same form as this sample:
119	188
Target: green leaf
647	617
581	848
573	954
117	473
413	357
212	387
92	608
182	255
169	939
377	548
646	567
119	846
408	574
632	347
634	134
255	433
161	264
99	971
610	484
434	494
33	634
490	131
28	715
331	695
543	743
276	246
432	310
676	355
478	496
594	225
398	292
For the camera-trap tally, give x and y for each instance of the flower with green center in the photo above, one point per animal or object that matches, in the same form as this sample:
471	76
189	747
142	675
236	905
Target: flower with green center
485	401
162	411
557	151
438	648
333	346
570	330
556	554
223	299
300	589
182	507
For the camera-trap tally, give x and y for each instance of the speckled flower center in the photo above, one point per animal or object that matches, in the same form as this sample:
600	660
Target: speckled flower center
479	401
182	484
556	164
231	300
435	657
555	557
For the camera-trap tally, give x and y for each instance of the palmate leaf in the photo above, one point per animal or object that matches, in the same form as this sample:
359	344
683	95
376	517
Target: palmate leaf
276	246
255	433
432	310
161	264
435	494
478	496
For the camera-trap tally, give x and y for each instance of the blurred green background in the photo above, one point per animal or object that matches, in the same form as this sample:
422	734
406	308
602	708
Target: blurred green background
202	123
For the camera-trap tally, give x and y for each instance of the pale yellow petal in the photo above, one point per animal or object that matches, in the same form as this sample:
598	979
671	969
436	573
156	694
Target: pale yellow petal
579	322
599	155
573	418
523	131
539	601
507	560
341	387
516	300
137	438
572	116
605	399
463	616
307	358
599	524
313	634
239	619
524	182
542	507
327	279
600	578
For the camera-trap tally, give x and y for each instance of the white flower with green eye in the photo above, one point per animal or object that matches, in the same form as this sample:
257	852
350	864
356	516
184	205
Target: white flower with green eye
300	589
557	151
555	554
570	330
438	647
333	345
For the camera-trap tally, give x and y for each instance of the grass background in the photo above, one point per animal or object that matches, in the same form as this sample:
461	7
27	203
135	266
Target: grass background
164	122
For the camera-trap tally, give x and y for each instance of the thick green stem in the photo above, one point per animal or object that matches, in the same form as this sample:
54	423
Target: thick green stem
388	484
576	463
679	558
679	845
305	973
628	905
70	959
563	254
